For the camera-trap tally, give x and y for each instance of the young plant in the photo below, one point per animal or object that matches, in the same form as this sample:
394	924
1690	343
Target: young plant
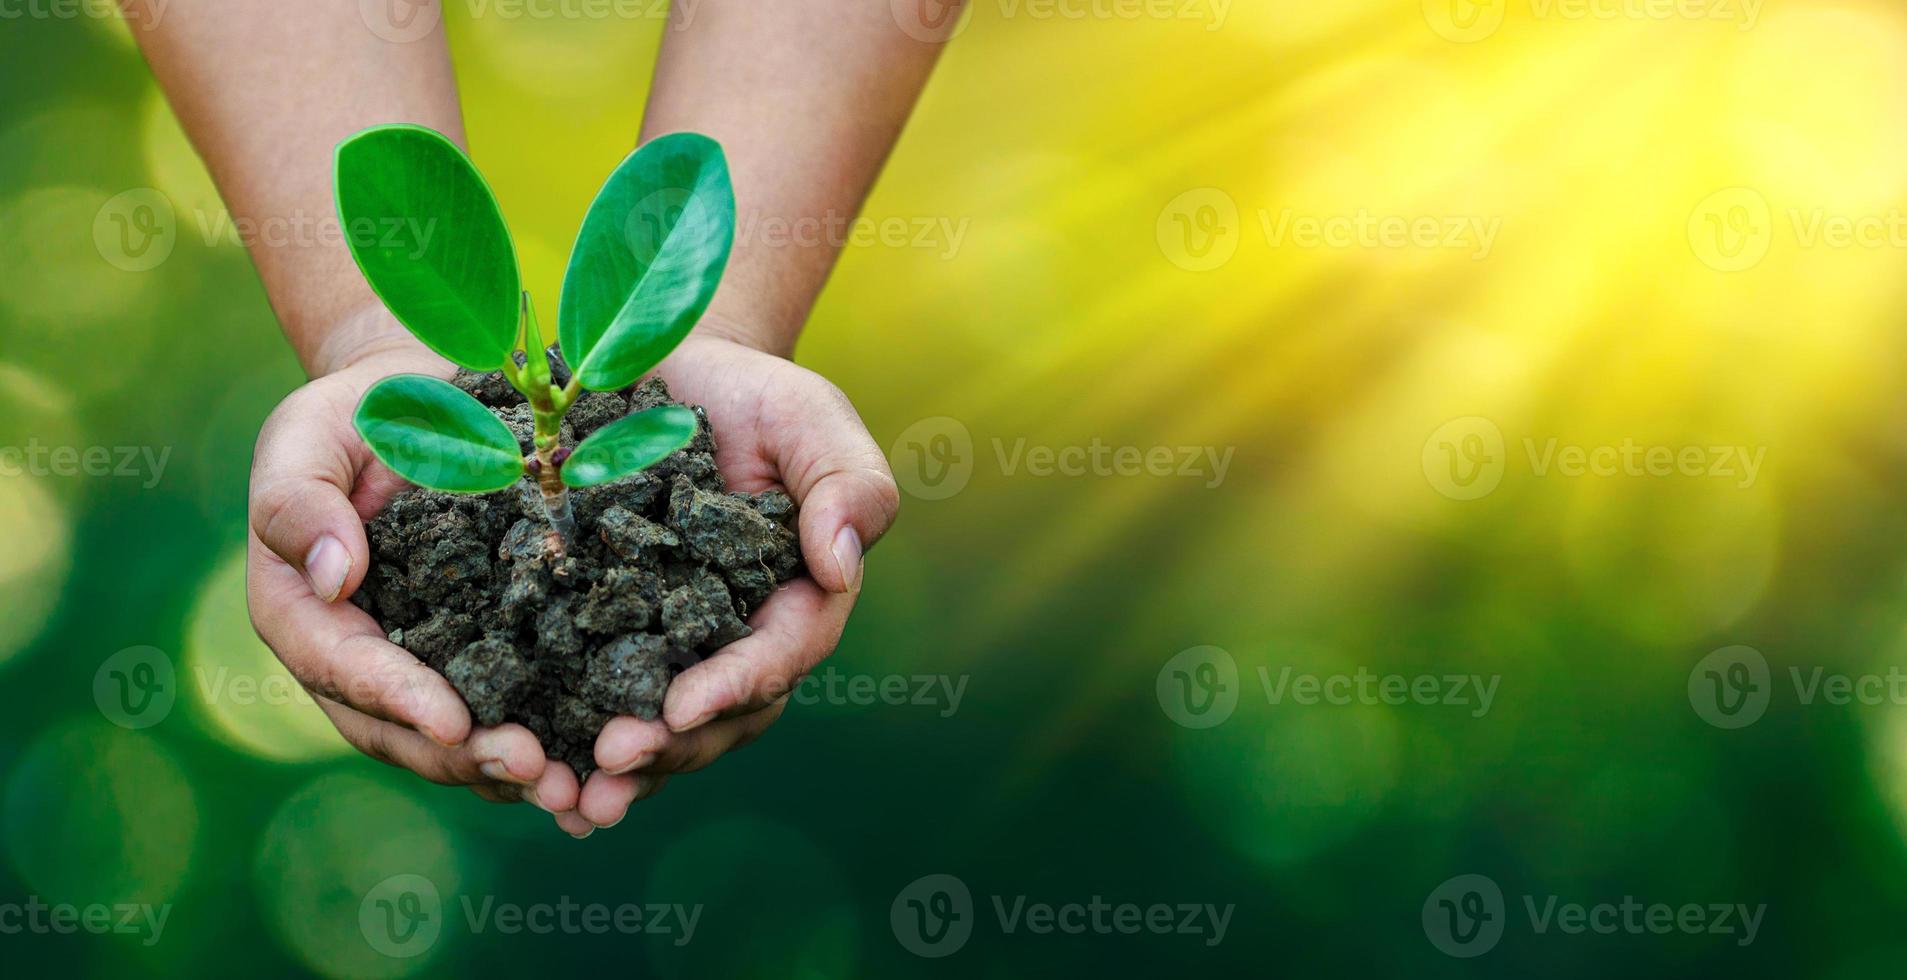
646	262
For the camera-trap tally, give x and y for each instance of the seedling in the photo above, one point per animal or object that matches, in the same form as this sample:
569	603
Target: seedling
646	263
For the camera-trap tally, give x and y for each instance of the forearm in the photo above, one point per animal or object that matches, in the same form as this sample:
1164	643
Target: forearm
807	97
266	91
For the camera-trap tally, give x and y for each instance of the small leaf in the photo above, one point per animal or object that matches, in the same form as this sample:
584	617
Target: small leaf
648	259
427	233
431	433
629	444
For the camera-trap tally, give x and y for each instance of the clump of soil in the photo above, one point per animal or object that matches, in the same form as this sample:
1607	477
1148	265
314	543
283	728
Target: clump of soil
665	567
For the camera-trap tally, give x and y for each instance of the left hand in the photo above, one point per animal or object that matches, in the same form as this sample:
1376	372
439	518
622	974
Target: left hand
776	426
313	485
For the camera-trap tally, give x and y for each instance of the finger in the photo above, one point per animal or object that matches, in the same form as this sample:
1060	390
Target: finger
555	791
303	471
507	754
836	472
606	796
338	651
794	630
496	793
377	484
573	824
697	749
627	743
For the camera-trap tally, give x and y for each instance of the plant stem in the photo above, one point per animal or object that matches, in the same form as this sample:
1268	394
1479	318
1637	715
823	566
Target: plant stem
547	406
555	494
549	458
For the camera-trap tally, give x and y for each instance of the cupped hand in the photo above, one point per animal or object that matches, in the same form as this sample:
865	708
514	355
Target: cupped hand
776	426
314	484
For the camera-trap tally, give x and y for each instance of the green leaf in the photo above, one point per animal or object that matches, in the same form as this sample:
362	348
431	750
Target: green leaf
426	231
431	433
647	261
631	443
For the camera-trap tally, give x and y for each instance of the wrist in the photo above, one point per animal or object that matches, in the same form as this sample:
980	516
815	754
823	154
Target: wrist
371	333
719	325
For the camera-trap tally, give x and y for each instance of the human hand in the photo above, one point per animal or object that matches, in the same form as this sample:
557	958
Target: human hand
776	425
314	484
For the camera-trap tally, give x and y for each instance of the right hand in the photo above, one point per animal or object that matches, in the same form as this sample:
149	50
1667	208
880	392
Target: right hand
314	484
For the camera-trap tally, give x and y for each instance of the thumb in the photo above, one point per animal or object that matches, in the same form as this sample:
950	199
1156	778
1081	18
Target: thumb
302	473
847	494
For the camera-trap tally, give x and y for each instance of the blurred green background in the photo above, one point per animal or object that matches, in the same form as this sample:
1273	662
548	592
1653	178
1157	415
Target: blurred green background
1382	253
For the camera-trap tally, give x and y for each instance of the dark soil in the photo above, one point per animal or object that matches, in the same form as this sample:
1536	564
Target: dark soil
666	566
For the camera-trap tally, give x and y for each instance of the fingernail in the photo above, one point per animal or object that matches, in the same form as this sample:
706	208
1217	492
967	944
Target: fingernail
529	796
327	565
847	557
700	720
637	763
495	769
584	835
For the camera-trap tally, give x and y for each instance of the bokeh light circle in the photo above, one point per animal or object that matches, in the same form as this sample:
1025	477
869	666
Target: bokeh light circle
1282	782
36	410
1887	759
241	688
1822	138
95	813
765	886
55	274
1671	560
334	844
34	563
